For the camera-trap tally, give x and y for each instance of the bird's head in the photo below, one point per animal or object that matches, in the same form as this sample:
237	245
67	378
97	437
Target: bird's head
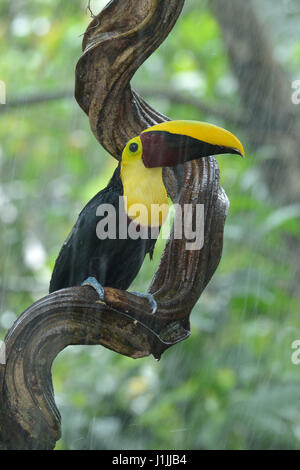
174	142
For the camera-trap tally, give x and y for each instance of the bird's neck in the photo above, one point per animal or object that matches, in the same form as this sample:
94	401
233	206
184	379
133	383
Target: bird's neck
144	186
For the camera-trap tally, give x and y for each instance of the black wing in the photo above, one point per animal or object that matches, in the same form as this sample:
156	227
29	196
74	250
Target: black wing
113	262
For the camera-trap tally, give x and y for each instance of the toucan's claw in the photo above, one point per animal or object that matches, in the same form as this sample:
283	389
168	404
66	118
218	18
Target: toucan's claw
151	300
92	282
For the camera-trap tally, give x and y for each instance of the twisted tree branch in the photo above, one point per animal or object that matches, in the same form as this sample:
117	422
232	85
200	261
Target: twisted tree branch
115	44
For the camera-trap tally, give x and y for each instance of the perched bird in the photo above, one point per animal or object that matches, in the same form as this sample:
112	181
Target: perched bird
87	257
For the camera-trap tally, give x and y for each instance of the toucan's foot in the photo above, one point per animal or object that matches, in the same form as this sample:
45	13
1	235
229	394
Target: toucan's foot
92	281
150	298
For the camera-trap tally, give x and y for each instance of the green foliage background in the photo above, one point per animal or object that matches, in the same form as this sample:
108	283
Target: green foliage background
232	384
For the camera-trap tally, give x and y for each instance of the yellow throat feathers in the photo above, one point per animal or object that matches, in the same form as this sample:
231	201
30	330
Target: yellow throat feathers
145	187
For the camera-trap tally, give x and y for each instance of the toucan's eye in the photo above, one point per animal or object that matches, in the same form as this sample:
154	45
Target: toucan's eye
133	147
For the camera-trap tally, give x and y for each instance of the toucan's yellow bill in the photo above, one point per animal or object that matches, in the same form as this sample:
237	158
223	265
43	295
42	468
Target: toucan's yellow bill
174	142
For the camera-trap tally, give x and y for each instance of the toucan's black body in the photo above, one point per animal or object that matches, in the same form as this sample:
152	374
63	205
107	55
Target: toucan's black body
114	263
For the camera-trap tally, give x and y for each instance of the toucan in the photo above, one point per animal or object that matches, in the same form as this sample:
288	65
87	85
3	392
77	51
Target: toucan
114	259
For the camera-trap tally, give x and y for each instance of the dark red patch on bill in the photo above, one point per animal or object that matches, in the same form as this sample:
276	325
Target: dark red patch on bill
161	148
